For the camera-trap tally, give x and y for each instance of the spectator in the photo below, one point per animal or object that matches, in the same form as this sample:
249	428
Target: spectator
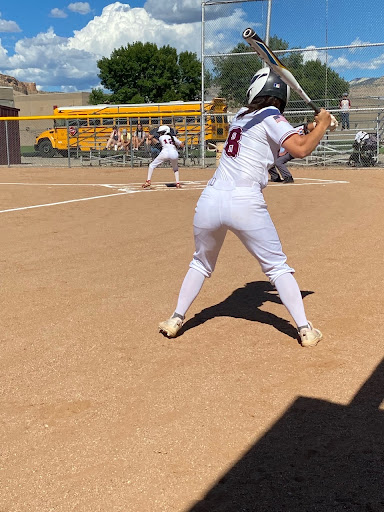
138	137
345	105
114	139
125	140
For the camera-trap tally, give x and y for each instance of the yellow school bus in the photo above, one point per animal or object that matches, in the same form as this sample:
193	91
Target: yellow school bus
86	128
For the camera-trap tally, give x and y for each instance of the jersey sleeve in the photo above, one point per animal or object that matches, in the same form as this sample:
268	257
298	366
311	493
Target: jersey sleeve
278	128
177	141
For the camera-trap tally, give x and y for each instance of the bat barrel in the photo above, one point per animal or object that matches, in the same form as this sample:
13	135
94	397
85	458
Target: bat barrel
248	32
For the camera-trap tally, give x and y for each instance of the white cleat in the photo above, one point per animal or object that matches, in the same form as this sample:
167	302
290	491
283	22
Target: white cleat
171	326
309	336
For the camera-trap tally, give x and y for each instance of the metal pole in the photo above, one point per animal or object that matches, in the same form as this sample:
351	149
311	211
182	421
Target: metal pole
377	138
202	119
131	144
68	151
7	143
268	26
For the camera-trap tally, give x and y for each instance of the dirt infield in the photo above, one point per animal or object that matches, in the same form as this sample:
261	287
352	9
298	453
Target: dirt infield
99	412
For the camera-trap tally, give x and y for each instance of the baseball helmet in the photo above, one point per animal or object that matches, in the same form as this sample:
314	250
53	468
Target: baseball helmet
267	83
164	129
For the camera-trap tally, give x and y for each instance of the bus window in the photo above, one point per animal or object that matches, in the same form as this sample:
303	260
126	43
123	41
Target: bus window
167	120
108	121
219	119
94	122
121	121
77	122
59	123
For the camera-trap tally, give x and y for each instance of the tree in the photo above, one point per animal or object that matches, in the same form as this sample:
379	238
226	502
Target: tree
98	97
233	73
140	73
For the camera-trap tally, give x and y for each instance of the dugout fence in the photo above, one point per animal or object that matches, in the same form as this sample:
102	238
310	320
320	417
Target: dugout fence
228	63
19	135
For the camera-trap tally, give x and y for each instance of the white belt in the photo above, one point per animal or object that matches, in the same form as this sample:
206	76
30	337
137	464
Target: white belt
230	185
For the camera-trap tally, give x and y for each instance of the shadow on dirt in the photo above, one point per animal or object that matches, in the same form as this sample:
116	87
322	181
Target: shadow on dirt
245	303
319	457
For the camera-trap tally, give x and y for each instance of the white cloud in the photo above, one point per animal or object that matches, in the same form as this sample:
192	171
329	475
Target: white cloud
48	60
313	54
185	11
58	13
80	7
8	26
357	42
119	25
342	63
3	55
53	61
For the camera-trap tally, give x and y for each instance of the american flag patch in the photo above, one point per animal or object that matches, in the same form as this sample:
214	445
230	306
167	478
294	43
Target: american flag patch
280	118
277	85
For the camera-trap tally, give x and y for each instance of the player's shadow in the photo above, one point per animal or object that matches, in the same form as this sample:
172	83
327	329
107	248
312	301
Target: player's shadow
318	457
245	303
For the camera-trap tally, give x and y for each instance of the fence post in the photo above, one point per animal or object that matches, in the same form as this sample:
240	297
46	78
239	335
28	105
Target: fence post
202	118
186	140
68	149
378	137
131	143
7	143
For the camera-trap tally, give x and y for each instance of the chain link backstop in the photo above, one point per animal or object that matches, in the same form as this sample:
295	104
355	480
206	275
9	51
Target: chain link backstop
228	64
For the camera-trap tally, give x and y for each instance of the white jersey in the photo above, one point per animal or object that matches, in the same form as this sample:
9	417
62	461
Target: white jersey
169	145
252	145
345	105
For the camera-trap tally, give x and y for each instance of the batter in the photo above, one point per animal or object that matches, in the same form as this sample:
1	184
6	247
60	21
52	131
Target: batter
233	200
169	144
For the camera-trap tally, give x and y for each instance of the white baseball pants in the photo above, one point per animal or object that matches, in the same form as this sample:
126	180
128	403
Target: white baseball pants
241	209
165	154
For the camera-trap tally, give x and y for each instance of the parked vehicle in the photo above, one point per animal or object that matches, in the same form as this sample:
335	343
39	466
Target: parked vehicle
85	128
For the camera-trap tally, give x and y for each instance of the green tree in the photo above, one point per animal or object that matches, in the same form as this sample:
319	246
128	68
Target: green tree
142	72
98	97
233	73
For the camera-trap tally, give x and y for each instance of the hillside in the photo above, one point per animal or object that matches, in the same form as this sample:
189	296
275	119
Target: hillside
17	85
371	90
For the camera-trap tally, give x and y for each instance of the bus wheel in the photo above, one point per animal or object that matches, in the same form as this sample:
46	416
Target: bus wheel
46	150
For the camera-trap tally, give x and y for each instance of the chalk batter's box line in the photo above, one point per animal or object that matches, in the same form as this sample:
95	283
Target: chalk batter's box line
134	188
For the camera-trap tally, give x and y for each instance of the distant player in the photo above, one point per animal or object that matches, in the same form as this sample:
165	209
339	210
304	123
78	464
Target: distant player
233	200
169	145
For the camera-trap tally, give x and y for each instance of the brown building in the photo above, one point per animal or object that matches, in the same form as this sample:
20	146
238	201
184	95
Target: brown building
42	103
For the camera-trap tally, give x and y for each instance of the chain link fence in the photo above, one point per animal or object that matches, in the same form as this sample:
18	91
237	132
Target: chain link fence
228	63
323	71
79	142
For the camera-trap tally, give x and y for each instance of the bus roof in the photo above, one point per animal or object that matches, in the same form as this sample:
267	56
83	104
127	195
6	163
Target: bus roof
143	106
128	105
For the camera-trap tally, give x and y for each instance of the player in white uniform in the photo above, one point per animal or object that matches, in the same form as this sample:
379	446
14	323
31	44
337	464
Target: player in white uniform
169	144
233	200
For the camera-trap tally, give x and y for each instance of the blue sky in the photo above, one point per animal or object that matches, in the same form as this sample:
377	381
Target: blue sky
57	43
